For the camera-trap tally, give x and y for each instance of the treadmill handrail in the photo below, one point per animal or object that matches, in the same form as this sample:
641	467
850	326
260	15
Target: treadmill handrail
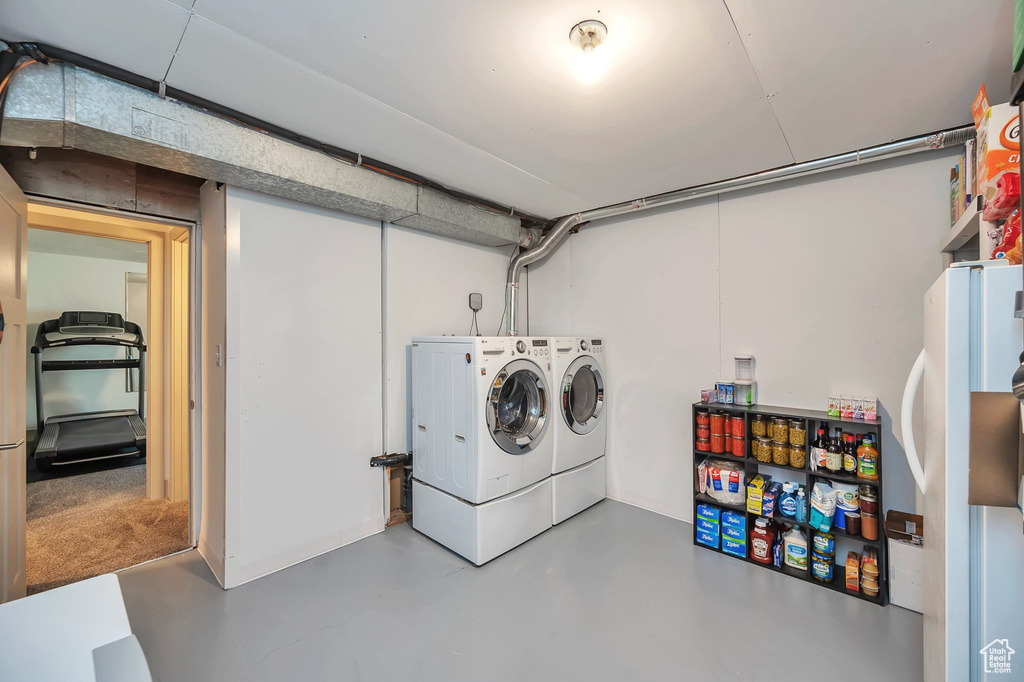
53	326
73	365
86	341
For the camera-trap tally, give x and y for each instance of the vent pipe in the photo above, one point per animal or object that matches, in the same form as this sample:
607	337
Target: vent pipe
562	228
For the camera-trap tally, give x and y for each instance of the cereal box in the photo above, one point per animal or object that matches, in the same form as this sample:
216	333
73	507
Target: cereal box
998	145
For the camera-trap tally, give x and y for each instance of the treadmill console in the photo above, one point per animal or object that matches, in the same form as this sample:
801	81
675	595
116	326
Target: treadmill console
91	323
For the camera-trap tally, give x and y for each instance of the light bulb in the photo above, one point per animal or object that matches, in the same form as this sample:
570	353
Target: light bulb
587	36
590	64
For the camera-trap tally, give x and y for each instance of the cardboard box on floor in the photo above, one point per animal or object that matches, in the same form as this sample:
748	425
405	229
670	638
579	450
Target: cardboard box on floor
996	451
905	533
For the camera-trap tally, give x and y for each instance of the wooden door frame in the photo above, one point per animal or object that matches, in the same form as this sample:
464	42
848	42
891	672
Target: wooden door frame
168	373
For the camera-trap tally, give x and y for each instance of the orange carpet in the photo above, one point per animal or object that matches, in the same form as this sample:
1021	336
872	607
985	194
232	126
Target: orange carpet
83	526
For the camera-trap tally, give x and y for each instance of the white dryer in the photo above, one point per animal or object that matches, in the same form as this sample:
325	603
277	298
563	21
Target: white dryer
483	450
580	425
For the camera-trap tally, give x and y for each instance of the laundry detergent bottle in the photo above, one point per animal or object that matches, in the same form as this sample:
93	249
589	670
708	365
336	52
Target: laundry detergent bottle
787	502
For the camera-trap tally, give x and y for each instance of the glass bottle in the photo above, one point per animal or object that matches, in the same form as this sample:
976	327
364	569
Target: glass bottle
834	456
818	451
849	455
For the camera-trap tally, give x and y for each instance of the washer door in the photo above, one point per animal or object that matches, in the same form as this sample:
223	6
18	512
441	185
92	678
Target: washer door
582	395
517	407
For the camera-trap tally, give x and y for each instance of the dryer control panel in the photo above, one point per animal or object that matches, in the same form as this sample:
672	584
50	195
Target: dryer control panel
537	348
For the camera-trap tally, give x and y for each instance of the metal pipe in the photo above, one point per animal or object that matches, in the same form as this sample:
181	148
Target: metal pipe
947	138
546	246
939	140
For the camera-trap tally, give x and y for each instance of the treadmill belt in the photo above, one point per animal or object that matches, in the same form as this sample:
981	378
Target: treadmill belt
95	436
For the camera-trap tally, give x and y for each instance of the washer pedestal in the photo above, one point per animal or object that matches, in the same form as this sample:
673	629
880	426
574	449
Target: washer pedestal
481	532
576	489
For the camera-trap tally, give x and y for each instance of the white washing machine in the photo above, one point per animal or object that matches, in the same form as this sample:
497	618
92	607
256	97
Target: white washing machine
482	441
580	426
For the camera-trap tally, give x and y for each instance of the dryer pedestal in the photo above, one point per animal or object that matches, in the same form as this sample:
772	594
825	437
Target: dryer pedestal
481	532
576	489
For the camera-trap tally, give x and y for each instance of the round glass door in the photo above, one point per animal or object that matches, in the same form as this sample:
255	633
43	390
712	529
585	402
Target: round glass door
517	412
582	395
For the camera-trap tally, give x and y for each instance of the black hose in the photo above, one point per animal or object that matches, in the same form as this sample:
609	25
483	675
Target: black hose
393	460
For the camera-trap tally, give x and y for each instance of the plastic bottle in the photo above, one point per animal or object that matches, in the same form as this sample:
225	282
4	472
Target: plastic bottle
795	549
762	540
801	506
867	459
786	503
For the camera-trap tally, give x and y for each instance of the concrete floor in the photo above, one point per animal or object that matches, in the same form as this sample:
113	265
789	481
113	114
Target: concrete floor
616	593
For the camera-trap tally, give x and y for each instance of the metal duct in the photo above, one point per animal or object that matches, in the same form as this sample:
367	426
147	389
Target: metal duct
945	138
544	249
61	105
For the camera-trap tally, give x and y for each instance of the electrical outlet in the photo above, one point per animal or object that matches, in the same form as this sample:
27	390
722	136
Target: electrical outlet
476	302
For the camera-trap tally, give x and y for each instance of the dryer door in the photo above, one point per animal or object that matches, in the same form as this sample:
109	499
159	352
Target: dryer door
582	395
517	407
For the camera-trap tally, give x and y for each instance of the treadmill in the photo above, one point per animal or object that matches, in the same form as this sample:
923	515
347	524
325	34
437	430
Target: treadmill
87	436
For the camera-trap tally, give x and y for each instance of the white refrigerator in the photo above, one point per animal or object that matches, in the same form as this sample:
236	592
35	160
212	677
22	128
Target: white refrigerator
974	556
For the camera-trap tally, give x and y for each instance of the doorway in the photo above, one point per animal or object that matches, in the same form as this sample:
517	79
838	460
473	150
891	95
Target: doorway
105	504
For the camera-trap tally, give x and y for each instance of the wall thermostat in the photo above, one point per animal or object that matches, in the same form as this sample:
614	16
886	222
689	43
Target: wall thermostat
476	302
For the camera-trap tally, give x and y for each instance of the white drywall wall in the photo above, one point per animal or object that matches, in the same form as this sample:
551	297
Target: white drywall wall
294	293
648	287
58	282
548	313
303	376
291	382
821	279
213	381
427	286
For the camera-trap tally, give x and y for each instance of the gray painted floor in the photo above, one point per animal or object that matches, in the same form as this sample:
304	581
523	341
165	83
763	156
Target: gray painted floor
616	593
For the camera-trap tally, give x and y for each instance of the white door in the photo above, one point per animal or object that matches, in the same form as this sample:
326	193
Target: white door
946	513
13	360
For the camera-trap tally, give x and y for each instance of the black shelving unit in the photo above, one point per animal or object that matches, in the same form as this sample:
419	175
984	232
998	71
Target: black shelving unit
752	467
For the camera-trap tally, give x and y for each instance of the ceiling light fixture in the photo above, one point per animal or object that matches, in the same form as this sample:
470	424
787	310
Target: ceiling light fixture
587	36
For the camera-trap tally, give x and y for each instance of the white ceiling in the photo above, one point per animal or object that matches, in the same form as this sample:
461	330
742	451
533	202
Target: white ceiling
483	97
87	246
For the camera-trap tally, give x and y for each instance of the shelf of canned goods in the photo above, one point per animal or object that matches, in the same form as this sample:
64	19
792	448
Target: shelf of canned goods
738	445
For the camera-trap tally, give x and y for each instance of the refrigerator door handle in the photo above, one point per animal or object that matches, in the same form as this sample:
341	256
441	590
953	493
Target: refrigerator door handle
907	420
